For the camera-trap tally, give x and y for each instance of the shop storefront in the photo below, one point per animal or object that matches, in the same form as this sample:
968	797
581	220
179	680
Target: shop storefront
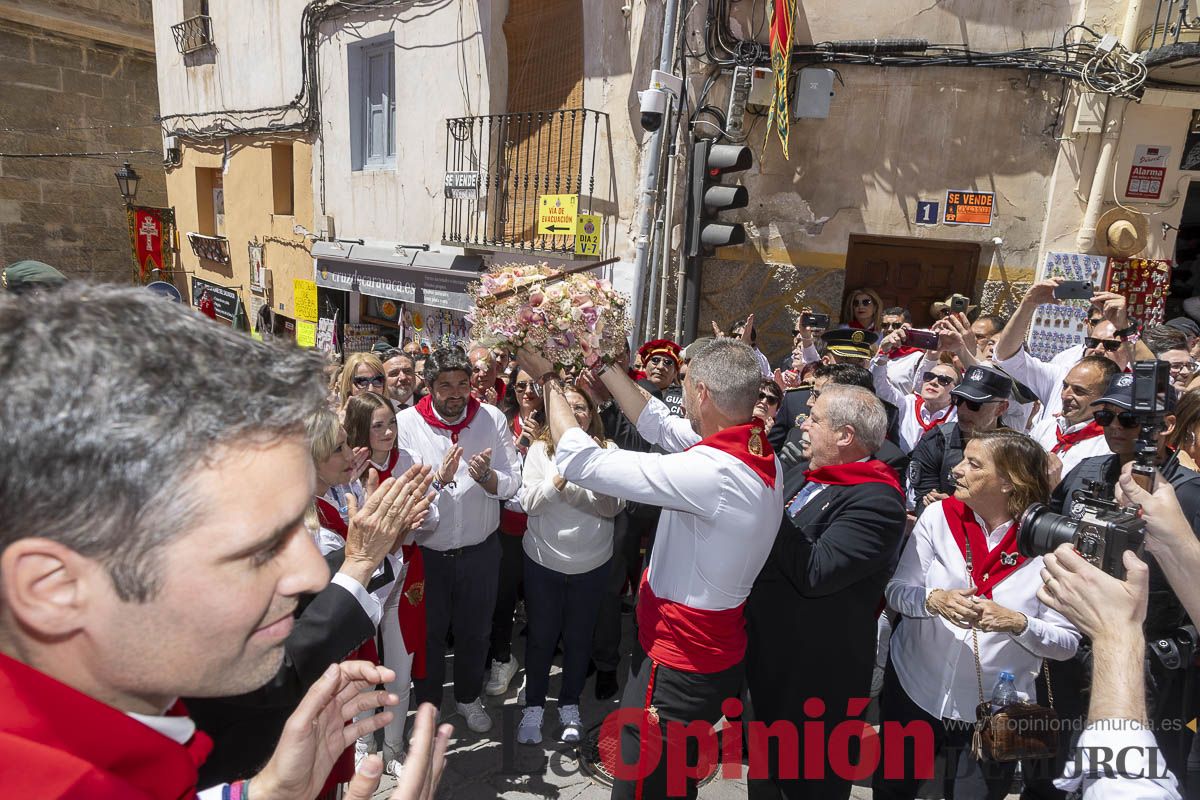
397	294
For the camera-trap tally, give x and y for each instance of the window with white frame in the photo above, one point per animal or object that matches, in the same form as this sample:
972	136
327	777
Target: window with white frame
373	104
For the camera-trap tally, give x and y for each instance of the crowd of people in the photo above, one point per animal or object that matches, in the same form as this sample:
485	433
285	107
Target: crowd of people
226	565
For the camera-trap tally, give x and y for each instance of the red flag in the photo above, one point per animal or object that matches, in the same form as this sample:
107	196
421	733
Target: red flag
148	239
781	60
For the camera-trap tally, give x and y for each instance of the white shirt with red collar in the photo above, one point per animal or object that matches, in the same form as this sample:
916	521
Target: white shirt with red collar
719	518
915	419
1046	433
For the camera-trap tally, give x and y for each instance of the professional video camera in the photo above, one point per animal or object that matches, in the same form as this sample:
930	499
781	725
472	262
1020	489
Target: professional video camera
1098	528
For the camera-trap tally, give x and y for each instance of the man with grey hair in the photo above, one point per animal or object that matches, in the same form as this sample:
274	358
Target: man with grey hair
834	552
153	546
717	485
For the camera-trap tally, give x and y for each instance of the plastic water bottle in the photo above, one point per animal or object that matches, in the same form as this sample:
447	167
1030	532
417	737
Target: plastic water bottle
1005	692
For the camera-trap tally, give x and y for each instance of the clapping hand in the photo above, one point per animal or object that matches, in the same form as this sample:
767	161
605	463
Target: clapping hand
480	466
422	769
449	467
361	456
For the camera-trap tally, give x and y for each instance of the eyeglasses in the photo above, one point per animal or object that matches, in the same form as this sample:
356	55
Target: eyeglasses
763	397
943	380
1183	366
662	361
864	301
1104	418
814	394
1111	345
363	380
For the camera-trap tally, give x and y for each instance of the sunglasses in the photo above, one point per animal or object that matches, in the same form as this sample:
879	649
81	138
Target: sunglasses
1094	321
974	405
1104	418
662	361
891	326
763	397
362	380
864	301
942	380
1111	345
521	386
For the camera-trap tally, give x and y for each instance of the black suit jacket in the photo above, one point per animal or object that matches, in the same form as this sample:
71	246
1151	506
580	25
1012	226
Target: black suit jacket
811	616
246	728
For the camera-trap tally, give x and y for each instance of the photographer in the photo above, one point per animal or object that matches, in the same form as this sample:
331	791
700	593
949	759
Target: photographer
1110	612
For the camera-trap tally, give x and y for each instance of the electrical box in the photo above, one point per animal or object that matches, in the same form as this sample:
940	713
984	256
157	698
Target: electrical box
814	93
1089	115
762	87
328	230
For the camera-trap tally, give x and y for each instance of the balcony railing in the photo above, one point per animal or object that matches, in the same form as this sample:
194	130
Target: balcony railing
211	248
497	166
194	33
1170	20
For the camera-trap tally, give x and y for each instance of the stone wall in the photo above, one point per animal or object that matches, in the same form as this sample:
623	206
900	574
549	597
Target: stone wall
65	88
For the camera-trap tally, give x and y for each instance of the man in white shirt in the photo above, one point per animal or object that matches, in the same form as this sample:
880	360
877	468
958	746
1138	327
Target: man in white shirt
1071	435
478	469
721	502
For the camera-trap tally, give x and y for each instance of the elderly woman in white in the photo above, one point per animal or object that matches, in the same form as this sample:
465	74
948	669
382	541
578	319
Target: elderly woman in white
947	607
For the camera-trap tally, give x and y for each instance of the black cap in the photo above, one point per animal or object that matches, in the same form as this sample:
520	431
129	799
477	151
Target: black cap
983	384
1120	392
850	342
1185	324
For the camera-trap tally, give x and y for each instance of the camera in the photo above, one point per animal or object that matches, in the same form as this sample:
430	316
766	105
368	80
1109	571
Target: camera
1099	529
663	85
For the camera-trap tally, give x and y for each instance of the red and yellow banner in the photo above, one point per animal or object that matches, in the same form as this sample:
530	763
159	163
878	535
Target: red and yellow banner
151	232
781	60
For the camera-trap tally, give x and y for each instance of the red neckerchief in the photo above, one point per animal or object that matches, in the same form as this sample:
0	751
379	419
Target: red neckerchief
386	472
874	471
59	742
987	568
740	441
331	518
425	409
934	420
902	351
1068	440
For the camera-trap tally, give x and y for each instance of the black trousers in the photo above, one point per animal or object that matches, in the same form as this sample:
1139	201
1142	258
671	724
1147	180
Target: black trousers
606	645
965	777
559	606
677	696
460	593
508	590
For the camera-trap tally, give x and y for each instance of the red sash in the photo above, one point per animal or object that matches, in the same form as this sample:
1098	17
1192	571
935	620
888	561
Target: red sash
412	608
425	409
902	351
514	523
58	742
987	569
934	421
741	442
873	471
386	472
689	639
1068	440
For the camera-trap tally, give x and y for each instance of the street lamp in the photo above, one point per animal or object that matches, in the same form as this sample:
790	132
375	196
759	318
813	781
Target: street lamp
127	180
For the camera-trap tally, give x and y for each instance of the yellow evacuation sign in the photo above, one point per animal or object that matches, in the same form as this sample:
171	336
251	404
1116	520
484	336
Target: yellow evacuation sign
587	235
557	213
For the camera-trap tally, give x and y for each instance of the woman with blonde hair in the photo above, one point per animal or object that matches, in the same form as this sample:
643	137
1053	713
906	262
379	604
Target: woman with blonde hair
362	373
863	309
971	616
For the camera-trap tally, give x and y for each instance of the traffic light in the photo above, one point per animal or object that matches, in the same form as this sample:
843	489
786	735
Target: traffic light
708	196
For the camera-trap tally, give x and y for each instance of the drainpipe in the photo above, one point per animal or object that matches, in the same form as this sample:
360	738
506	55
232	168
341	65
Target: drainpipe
650	178
1114	114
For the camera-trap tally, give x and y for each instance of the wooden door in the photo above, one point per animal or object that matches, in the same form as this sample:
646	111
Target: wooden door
911	273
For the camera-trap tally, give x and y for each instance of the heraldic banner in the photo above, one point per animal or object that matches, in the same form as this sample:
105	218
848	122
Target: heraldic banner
151	235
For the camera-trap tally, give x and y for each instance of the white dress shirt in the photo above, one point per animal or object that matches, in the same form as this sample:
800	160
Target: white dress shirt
1045	435
764	364
719	518
1140	778
934	659
569	531
903	372
1043	378
468	513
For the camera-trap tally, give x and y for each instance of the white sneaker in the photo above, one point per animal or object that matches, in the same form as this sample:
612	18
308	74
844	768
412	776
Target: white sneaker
362	749
501	675
475	714
572	725
530	729
393	759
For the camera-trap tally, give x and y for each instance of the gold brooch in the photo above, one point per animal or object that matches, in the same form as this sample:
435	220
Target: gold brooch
415	593
755	444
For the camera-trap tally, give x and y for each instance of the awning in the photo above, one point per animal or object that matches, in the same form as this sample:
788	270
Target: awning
404	274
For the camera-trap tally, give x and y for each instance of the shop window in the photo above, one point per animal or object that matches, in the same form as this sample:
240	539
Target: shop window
372	69
283	181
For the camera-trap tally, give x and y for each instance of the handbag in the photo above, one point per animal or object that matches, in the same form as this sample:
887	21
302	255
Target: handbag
1016	731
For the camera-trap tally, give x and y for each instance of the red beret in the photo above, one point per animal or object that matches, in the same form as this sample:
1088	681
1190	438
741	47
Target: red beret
660	347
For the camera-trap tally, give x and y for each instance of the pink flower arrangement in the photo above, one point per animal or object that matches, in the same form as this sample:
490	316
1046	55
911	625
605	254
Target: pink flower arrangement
575	321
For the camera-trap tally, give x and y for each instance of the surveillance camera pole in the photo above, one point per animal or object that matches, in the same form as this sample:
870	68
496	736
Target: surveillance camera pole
648	194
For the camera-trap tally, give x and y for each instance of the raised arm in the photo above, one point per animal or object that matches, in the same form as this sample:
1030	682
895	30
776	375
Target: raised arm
1013	336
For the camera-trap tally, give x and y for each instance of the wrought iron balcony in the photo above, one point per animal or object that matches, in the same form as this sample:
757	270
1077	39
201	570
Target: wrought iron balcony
194	33
497	166
1170	49
210	248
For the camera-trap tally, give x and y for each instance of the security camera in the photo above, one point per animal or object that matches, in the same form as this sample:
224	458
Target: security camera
654	106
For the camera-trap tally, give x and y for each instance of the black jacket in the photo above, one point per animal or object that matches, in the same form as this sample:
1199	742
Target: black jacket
939	451
246	728
811	616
